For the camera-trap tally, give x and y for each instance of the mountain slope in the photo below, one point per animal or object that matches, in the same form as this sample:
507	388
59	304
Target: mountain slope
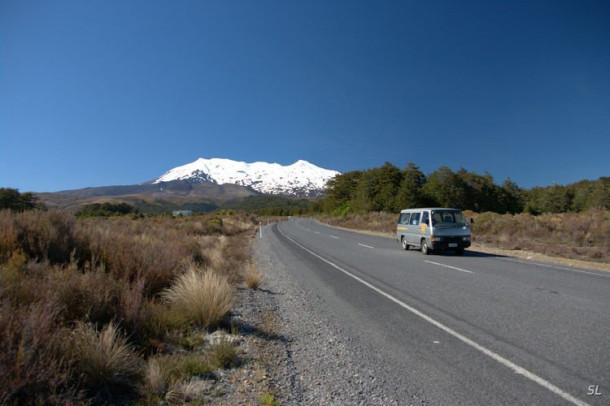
299	179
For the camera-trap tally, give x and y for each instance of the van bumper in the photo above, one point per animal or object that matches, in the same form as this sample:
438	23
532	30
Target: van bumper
450	243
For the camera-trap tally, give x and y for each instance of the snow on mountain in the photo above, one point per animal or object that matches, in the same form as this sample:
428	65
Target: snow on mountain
300	179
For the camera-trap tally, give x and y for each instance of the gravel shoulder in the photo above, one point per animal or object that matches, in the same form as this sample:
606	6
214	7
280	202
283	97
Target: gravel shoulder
316	363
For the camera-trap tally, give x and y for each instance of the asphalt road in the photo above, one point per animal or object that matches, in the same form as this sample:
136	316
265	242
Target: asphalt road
473	329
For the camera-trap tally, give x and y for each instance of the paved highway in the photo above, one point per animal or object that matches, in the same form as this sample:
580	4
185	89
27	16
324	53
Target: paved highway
472	329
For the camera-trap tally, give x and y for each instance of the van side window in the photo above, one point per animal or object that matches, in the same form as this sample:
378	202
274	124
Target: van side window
404	218
415	219
425	218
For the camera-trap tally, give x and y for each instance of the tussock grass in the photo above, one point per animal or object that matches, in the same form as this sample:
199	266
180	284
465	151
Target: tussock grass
107	365
156	378
253	277
200	297
223	354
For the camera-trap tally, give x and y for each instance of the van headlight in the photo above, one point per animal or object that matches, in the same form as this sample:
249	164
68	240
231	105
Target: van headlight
436	239
466	238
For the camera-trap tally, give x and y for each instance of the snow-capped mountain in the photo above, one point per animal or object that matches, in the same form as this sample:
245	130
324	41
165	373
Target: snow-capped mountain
299	179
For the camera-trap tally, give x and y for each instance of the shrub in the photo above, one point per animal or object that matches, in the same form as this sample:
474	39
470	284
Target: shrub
90	297
156	378
32	367
106	364
268	399
253	277
41	235
202	298
223	354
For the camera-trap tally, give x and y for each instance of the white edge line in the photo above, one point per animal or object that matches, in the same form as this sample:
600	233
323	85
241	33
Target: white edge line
449	266
364	245
509	364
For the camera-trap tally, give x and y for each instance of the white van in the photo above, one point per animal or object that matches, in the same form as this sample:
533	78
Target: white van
433	229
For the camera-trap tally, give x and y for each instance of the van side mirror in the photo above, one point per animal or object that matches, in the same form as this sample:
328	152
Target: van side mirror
471	220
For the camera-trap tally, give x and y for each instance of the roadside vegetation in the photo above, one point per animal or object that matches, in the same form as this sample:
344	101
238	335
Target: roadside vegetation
110	310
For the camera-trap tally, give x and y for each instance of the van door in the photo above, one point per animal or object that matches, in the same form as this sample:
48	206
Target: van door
424	227
413	233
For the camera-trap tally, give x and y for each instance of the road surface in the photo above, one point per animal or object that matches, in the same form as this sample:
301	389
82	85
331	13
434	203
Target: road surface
472	329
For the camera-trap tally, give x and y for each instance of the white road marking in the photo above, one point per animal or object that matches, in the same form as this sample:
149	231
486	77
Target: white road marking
317	232
449	266
333	236
556	267
497	357
364	245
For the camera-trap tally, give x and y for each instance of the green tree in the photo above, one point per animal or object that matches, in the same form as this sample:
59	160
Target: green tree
600	197
410	192
479	191
510	198
445	188
13	200
377	189
340	191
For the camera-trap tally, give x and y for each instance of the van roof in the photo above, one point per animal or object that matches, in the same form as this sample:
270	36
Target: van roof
428	208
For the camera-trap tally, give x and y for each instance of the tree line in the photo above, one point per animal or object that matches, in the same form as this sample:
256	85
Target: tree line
12	199
390	189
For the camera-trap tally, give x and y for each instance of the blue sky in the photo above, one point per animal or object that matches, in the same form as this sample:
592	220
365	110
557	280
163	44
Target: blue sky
110	92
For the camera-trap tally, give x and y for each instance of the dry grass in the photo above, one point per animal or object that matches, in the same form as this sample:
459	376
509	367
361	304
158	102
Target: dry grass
106	364
253	277
80	306
223	354
199	297
582	236
157	379
33	369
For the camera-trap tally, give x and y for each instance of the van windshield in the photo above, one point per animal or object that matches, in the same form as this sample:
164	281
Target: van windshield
448	218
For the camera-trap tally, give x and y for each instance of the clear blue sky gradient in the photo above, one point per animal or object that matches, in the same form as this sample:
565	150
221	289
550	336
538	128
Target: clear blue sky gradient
110	92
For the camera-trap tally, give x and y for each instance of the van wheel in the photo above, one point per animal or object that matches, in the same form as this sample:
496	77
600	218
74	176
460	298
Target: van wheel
404	244
424	247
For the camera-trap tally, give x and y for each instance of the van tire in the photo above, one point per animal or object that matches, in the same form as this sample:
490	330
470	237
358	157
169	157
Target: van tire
403	242
424	247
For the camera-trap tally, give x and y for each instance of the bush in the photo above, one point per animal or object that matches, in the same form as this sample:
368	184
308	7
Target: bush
202	298
106	364
41	235
33	369
252	276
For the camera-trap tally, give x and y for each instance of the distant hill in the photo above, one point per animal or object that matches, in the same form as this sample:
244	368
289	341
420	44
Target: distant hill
152	198
203	185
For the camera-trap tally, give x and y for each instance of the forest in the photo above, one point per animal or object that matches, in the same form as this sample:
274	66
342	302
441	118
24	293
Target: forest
390	189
